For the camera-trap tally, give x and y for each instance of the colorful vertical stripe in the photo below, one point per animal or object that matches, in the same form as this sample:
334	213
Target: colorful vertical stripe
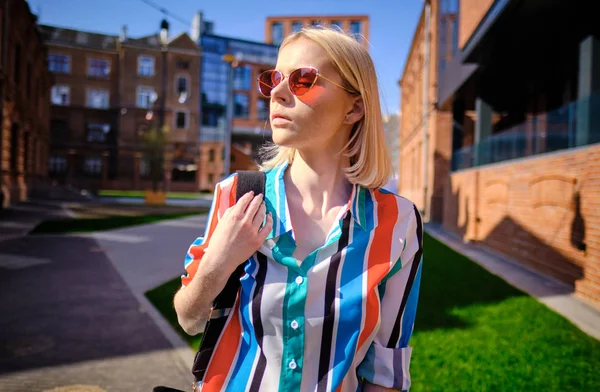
344	314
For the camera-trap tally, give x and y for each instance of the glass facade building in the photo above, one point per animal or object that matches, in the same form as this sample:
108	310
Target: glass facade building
215	81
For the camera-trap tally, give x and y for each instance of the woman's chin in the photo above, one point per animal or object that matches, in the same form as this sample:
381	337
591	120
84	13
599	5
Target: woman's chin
284	137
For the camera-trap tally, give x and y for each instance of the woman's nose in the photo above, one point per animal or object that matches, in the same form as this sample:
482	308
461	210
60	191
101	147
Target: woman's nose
281	93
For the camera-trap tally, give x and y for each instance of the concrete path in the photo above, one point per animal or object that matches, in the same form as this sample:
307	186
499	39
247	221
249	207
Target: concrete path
551	292
70	319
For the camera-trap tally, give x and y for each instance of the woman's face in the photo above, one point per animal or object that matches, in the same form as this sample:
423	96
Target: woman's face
318	118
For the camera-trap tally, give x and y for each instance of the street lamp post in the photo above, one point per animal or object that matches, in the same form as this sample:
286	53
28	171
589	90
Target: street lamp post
233	62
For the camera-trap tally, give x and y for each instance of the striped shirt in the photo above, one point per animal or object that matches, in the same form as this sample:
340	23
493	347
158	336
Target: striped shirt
344	314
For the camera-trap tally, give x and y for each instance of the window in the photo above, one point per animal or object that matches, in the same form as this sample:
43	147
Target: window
182	85
211	156
277	33
97	98
92	166
262	108
98	68
97	132
181	120
59	63
336	23
315	23
145	66
240	105
61	95
355	27
145	95
296	26
17	65
241	78
144	167
57	164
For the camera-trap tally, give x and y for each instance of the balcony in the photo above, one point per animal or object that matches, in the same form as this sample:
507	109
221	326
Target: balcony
574	125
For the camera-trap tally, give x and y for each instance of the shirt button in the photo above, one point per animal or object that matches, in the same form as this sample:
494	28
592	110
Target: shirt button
299	279
292	364
294	324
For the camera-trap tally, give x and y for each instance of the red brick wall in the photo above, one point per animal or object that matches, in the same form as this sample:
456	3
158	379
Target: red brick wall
470	14
528	209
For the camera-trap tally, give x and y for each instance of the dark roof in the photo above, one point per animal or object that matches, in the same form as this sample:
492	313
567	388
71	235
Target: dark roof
86	39
78	38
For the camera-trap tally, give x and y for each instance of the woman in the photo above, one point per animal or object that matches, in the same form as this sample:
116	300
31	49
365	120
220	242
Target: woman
329	296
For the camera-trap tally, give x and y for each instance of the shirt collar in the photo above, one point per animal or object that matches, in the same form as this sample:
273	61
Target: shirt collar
276	202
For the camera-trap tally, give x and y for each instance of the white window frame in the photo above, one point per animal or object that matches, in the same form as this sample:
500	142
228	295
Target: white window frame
137	96
89	65
52	94
139	65
187	119
88	101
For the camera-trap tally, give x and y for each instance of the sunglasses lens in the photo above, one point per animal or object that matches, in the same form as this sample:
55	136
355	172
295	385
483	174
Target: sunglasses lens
301	80
267	81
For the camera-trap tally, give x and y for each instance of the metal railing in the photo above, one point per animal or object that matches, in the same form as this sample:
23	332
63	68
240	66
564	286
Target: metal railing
573	125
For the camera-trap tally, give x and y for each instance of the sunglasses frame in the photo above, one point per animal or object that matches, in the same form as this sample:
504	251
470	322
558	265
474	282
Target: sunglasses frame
284	77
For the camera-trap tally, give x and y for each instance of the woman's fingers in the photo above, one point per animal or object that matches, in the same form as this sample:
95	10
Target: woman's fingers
242	204
266	229
253	207
259	216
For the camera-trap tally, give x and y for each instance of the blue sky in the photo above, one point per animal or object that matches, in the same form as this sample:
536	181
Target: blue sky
392	23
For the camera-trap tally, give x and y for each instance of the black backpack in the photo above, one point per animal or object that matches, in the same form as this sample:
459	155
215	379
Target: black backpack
247	181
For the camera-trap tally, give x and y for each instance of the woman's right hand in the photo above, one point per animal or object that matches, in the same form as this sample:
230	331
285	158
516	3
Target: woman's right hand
238	234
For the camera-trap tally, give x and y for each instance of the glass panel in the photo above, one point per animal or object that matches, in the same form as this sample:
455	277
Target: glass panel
99	68
58	63
262	108
145	66
240	105
241	78
572	125
277	33
181	120
296	26
60	95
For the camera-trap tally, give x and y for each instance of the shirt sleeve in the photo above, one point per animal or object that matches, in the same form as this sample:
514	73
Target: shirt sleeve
223	198
387	360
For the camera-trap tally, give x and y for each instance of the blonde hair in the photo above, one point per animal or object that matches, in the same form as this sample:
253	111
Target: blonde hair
370	163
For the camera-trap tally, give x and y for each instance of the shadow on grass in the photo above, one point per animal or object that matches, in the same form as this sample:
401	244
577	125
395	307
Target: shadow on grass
162	299
450	281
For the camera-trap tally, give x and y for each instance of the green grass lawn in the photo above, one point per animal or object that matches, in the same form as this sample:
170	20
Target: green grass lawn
170	195
475	332
85	225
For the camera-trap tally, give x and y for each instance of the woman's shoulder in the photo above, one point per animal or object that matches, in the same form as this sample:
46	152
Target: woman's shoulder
406	208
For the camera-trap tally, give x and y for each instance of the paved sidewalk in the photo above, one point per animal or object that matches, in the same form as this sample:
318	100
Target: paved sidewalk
68	318
147	256
553	293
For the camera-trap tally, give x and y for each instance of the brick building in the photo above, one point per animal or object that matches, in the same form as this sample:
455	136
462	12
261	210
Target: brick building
109	90
24	103
520	99
278	27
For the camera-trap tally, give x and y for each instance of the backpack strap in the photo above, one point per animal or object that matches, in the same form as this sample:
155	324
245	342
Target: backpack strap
223	303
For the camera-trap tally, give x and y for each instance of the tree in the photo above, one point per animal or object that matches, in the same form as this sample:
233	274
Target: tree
154	145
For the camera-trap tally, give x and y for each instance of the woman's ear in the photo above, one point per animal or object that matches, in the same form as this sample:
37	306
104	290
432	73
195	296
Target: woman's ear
356	113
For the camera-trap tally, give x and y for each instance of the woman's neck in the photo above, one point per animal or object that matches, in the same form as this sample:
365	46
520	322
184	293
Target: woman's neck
317	178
